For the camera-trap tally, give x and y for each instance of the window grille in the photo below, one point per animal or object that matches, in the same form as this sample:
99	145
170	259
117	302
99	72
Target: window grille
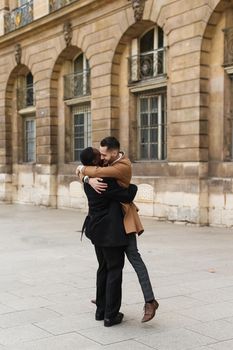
29	139
152	127
81	129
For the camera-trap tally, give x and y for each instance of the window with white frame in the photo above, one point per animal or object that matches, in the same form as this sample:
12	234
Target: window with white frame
81	129
148	55
29	126
81	76
152	127
77	84
25	91
29	90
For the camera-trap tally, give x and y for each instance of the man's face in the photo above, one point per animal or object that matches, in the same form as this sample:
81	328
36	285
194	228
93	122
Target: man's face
108	156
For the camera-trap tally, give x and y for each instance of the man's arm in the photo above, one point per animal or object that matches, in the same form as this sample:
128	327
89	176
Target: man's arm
109	171
96	183
118	193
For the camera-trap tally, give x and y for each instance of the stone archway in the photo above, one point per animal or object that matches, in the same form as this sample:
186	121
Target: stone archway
56	98
61	112
11	108
211	65
13	131
215	85
123	103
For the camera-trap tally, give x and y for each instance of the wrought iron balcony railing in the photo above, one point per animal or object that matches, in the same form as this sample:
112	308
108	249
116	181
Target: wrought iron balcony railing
57	4
19	17
147	65
77	85
228	47
25	97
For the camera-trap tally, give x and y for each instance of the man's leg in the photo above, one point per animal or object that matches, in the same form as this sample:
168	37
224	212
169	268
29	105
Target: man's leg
136	261
101	278
114	257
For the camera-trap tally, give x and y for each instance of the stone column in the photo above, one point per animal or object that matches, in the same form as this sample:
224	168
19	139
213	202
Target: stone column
4	8
46	139
5	153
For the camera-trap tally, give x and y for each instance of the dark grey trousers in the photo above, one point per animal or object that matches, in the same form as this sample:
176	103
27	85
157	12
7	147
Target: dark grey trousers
136	261
109	280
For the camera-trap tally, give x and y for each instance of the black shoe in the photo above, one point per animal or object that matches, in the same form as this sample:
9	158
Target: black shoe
116	320
99	316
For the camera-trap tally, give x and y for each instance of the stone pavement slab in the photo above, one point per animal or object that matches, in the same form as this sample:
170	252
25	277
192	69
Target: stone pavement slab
24	317
68	324
180	339
70	341
16	335
209	312
225	345
47	278
218	330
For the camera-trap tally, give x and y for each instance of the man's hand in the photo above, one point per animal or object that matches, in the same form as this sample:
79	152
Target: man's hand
79	169
97	184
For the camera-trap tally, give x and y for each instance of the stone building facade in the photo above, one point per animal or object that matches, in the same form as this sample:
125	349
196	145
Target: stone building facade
157	74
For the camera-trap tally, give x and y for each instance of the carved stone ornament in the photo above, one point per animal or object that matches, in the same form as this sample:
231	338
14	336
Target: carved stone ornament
67	30
138	7
18	53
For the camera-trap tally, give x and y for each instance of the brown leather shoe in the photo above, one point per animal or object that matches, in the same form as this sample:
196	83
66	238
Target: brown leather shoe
150	310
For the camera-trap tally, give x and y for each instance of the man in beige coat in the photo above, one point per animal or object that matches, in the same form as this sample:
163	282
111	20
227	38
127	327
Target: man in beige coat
119	167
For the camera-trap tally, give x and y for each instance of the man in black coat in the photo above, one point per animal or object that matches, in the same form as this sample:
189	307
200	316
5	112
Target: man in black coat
104	227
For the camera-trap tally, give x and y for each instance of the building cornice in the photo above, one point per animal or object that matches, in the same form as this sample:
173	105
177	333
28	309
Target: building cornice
74	9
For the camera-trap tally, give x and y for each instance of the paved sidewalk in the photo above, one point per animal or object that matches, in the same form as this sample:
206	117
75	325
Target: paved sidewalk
47	278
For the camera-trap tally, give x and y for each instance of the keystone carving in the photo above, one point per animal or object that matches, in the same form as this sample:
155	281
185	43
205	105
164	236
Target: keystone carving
67	30
138	7
18	53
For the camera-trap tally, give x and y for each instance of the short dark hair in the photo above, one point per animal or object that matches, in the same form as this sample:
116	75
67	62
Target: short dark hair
110	142
87	156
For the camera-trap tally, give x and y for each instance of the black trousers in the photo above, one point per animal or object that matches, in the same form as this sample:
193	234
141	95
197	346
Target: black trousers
109	280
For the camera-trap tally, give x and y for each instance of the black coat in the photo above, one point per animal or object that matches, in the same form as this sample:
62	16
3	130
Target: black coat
104	222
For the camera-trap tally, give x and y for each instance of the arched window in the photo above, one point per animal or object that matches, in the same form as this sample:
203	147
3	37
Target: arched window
148	81
77	97
148	55
29	90
77	84
152	53
26	110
